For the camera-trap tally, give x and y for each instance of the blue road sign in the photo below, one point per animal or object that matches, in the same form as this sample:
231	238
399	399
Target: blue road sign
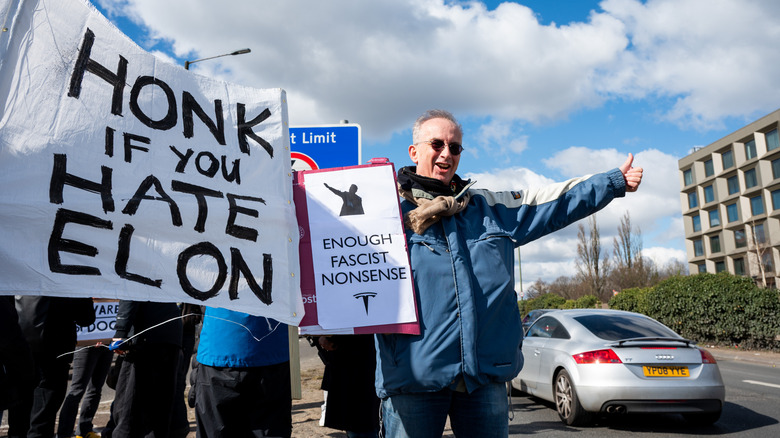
325	146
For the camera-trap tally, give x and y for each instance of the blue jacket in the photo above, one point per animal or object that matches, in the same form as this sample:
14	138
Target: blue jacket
463	270
247	341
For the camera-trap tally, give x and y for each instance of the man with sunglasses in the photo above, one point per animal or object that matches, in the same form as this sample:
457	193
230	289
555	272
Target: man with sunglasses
461	244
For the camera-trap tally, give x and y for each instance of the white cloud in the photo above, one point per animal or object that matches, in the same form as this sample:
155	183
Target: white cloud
382	62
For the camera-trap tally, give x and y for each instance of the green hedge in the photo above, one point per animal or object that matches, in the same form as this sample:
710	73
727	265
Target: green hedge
552	301
714	308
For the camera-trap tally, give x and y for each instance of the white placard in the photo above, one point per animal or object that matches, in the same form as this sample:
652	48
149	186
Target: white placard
127	177
361	268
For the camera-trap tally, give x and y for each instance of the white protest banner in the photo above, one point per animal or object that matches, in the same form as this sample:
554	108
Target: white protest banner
127	177
361	270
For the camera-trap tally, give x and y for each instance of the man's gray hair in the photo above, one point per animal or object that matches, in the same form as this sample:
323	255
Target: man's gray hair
433	114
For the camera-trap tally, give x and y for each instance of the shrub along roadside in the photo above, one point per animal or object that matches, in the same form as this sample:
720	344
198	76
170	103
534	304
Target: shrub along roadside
721	309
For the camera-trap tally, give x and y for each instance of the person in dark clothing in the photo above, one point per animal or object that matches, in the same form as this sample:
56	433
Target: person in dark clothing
192	315
90	368
352	403
16	368
145	389
49	325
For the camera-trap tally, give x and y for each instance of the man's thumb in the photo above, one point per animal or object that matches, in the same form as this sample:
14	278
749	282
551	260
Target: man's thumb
627	165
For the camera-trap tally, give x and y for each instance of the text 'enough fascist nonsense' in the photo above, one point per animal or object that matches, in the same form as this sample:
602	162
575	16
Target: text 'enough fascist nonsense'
151	189
363	261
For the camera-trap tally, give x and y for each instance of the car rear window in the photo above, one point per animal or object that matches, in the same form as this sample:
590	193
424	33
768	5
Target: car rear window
617	327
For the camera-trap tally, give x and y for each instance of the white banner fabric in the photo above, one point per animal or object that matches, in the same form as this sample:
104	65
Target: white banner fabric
128	177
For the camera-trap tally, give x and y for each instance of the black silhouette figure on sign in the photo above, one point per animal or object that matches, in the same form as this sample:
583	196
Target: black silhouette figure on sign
353	204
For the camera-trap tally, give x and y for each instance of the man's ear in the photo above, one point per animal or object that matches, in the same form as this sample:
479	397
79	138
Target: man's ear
413	153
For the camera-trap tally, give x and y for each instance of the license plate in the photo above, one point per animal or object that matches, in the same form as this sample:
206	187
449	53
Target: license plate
665	371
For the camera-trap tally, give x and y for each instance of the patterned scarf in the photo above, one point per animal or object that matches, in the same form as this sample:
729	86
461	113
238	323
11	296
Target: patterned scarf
433	198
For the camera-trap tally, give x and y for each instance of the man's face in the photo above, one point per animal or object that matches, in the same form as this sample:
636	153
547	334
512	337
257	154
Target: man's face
441	164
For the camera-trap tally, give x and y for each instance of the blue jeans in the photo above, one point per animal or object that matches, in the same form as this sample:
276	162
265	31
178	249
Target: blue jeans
483	413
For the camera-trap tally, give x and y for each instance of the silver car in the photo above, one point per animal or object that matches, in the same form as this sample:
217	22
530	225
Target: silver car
592	361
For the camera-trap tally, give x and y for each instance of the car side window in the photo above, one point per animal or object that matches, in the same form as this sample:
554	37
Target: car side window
547	327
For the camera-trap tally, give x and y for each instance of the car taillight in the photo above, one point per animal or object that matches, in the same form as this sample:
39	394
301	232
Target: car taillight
706	356
598	356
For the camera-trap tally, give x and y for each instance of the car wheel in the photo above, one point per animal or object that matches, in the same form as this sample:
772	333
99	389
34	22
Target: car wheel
566	402
702	418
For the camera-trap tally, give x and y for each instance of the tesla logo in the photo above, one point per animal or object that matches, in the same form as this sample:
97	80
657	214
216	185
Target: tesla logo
365	296
664	357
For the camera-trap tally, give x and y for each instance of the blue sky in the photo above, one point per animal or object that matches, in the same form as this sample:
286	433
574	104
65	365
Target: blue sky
545	90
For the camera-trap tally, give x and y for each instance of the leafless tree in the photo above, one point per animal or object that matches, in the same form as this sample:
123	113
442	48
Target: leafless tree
760	248
592	269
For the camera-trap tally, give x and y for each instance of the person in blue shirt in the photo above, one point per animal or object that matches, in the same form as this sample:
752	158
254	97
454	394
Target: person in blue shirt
242	381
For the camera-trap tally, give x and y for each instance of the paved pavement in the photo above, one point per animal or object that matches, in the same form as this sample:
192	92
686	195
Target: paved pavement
761	357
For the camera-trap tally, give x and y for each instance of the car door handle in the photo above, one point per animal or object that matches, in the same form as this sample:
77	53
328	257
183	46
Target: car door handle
537	352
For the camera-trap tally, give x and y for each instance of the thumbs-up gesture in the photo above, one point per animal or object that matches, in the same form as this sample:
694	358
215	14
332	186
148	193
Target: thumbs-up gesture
632	175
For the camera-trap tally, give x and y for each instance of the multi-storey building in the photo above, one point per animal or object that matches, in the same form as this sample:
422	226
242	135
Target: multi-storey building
731	203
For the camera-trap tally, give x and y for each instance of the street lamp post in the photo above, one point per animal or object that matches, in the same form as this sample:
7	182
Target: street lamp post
237	52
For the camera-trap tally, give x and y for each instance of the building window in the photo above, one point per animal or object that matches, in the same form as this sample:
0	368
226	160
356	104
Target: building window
776	199
696	223
750	178
728	159
740	239
757	205
698	248
732	212
758	233
688	177
715	244
714	218
776	168
739	266
772	140
702	268
733	183
693	200
709	194
709	169
750	149
720	266
768	261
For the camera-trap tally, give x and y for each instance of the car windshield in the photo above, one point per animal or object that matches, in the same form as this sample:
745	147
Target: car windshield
617	327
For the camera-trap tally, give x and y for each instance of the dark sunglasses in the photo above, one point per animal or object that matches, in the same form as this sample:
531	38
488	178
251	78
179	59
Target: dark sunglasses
438	146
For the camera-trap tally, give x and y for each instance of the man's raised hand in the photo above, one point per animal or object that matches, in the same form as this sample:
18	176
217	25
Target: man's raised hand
632	175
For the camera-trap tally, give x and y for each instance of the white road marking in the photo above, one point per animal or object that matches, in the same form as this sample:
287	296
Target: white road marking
754	382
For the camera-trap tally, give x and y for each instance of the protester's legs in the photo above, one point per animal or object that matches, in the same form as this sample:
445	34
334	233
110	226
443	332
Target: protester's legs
82	368
48	395
100	359
420	415
231	402
482	413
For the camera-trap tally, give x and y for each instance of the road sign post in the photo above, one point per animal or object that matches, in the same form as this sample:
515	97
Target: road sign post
325	146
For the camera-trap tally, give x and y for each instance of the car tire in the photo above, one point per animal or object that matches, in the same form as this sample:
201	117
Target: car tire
702	418
567	403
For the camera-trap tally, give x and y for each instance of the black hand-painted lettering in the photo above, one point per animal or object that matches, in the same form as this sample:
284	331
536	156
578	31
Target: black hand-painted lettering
60	177
201	249
110	141
183	158
167	122
200	194
235	175
123	255
129	146
84	63
58	244
151	181
190	105
234	209
213	166
245	130
239	266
